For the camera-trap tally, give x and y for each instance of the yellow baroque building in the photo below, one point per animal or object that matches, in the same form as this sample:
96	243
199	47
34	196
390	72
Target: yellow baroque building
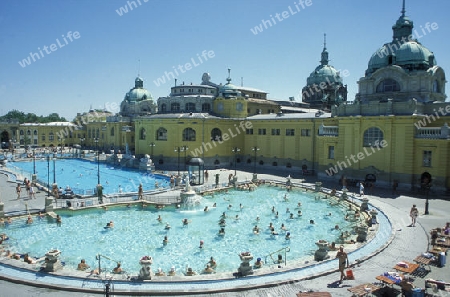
394	132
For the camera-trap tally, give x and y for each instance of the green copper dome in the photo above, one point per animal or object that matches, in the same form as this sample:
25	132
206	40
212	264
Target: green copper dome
414	53
229	90
138	93
409	55
324	73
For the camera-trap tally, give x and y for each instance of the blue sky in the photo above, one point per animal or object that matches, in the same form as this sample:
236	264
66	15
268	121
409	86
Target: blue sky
99	67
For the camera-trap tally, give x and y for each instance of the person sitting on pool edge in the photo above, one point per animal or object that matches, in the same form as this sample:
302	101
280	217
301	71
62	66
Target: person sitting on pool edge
190	272
172	271
117	269
82	265
160	272
208	269
28	259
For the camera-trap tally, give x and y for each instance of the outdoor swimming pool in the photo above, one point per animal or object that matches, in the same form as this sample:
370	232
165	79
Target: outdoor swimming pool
81	175
137	232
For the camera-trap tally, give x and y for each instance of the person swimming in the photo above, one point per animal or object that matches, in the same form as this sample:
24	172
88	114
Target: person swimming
167	227
288	236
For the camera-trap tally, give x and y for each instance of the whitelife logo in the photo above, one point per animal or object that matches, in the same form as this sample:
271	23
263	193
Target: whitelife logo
33	57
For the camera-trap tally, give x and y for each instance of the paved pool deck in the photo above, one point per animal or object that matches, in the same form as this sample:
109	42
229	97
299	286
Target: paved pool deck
406	243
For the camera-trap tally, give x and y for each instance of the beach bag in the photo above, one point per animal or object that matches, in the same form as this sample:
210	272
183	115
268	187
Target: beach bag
349	274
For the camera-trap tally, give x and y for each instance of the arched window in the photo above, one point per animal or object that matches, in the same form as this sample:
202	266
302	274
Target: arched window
188	134
216	134
436	86
373	137
28	132
161	134
142	134
388	85
21	132
163	107
112	131
206	107
35	132
175	107
190	106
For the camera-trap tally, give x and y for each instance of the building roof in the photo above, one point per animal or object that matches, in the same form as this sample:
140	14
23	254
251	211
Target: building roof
290	116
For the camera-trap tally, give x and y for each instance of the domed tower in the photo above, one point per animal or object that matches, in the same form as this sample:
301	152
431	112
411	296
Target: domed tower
402	69
138	101
230	101
324	86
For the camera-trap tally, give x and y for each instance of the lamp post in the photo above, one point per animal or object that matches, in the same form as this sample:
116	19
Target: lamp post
235	150
184	148
152	145
255	149
34	162
98	161
54	168
427	188
48	175
81	144
61	143
178	149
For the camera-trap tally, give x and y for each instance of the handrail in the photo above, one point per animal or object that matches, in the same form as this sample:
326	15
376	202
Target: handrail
286	249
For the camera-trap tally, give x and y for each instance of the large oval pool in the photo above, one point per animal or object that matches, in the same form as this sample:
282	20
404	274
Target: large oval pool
138	232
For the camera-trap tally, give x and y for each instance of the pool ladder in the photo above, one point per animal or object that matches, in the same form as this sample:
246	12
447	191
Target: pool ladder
286	249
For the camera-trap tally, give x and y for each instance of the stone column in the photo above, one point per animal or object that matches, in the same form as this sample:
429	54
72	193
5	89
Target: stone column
48	204
52	262
2	211
364	204
344	195
245	268
374	213
322	253
318	186
146	270
255	177
362	233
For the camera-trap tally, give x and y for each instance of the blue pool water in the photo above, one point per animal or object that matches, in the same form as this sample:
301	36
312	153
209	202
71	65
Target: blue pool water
81	175
137	232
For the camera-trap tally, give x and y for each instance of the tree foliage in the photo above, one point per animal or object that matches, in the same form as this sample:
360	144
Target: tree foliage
30	117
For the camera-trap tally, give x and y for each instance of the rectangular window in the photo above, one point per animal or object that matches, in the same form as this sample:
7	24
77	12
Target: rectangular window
306	132
275	131
261	131
43	137
290	132
249	131
331	152
426	158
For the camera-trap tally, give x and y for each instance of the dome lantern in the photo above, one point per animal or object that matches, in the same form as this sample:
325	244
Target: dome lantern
403	27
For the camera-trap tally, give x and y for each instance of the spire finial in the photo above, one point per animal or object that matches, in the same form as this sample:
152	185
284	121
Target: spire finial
403	9
324	55
229	76
139	67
